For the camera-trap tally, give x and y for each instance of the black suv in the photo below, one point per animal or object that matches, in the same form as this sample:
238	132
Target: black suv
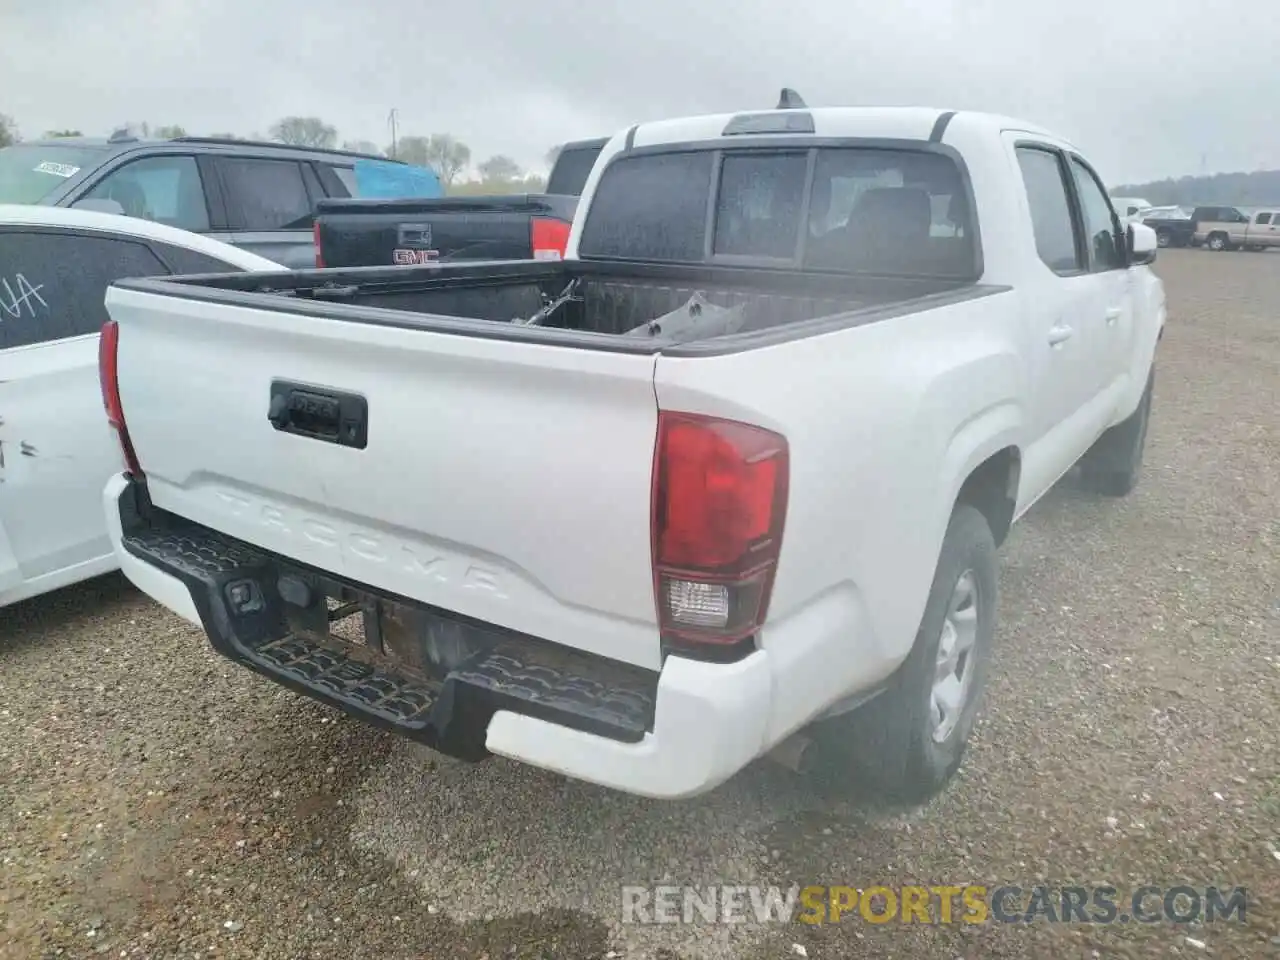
258	196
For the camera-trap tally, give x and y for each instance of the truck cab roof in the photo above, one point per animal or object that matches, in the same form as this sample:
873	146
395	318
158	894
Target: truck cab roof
906	123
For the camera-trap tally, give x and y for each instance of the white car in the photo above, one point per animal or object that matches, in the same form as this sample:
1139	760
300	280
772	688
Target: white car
56	448
731	483
1132	209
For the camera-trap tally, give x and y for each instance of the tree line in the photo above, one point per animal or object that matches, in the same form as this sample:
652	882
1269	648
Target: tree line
1260	188
449	157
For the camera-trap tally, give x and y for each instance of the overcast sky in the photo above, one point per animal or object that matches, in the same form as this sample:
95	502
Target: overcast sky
1148	88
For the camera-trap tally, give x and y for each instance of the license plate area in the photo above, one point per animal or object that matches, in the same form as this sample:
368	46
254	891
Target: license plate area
376	629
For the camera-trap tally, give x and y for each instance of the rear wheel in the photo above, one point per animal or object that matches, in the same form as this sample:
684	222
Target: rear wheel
1163	238
1217	242
907	743
1113	464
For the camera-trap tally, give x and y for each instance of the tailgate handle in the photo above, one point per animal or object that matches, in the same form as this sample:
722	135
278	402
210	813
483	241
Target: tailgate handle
318	413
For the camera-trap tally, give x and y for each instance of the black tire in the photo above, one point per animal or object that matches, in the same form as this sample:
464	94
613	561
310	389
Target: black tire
1217	242
887	745
1113	464
1164	238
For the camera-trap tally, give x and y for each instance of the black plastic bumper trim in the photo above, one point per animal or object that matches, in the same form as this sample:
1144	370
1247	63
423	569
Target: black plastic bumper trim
234	587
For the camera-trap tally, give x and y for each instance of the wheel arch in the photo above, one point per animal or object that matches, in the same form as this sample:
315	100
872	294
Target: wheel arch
992	489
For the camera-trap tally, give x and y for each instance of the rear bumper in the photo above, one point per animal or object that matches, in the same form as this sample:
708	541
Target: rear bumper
674	734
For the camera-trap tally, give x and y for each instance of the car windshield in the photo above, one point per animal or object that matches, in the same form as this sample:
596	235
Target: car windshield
30	172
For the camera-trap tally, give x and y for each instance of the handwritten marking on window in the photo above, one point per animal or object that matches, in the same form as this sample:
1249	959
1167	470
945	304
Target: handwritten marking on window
24	297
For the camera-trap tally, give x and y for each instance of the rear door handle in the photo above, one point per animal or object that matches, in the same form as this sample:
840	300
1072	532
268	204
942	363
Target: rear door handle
1112	316
1059	333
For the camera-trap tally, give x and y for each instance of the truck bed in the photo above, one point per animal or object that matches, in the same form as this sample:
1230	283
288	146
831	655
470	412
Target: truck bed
612	300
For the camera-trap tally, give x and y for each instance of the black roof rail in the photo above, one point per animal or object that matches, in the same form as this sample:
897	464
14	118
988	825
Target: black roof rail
790	100
277	145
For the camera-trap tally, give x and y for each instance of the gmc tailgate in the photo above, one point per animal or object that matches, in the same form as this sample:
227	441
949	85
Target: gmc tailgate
508	482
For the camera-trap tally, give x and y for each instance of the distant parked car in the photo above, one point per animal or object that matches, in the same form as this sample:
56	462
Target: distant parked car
1235	230
259	196
56	447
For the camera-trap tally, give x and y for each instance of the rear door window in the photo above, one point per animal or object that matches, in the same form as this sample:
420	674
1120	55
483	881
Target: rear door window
52	285
651	207
1263	218
265	194
164	189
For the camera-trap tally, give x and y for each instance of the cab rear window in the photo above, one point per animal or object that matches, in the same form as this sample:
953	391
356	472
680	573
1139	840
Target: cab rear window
840	209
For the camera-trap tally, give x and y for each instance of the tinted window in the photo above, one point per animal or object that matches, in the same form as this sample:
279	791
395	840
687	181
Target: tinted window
571	169
347	177
52	285
266	194
338	181
1050	209
890	211
1264	218
759	203
1102	234
651	208
29	172
180	260
164	189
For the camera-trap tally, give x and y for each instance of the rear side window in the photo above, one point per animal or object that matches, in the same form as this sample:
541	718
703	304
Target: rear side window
1047	197
338	181
1263	218
52	285
651	207
571	170
266	194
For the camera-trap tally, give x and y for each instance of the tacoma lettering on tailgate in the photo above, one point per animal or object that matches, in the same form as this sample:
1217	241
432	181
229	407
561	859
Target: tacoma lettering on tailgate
418	559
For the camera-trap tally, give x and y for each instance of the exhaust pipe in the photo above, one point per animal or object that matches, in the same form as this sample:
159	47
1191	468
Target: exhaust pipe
795	753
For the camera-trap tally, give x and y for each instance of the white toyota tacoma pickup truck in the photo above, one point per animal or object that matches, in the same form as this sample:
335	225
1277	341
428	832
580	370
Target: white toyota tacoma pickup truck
727	480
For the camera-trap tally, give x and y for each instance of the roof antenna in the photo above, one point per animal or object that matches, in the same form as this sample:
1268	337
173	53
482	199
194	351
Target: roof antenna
790	100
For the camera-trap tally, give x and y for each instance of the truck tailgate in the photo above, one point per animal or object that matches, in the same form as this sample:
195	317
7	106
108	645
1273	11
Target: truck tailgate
509	482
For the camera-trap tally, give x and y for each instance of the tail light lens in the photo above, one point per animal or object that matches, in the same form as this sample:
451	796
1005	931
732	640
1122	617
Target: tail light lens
719	502
549	238
108	352
315	236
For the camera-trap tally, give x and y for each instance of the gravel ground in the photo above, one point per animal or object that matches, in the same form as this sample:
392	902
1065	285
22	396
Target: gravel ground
158	802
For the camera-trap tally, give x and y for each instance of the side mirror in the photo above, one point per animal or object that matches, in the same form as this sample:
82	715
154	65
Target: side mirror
1142	244
102	206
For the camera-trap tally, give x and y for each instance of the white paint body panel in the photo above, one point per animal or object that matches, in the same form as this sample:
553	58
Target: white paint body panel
526	469
56	449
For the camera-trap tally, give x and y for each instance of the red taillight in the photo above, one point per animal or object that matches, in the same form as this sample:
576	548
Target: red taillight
719	501
549	238
315	236
108	351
